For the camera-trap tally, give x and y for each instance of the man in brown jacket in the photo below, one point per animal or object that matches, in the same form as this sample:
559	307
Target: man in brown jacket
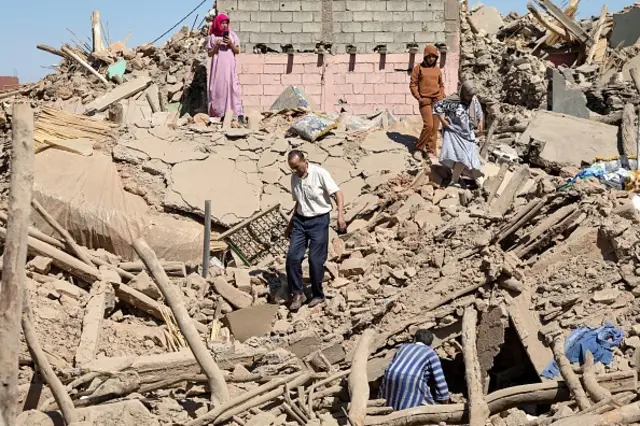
427	87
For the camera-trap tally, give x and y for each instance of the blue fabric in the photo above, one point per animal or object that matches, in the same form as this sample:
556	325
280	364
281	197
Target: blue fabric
599	341
406	380
312	232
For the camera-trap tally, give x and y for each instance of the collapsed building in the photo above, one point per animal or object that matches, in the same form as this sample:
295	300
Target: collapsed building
534	257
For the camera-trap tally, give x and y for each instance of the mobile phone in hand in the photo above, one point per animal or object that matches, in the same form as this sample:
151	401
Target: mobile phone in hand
225	37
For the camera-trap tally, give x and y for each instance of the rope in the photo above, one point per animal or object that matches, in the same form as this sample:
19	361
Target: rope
180	21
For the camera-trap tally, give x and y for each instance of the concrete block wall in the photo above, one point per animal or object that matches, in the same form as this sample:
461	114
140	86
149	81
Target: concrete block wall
364	24
360	83
332	85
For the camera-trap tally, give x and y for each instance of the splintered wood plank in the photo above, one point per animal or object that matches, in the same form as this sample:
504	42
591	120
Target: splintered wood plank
503	202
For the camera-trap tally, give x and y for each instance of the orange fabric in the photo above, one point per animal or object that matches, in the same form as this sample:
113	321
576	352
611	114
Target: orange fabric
427	84
431	50
429	136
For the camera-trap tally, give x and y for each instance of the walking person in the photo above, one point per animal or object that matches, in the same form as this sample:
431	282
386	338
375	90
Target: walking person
427	86
312	188
224	86
414	369
461	116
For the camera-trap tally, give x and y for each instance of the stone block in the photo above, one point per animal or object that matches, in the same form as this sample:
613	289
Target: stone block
249	322
626	31
291	6
353	266
383	38
281	17
425	37
436	26
437	4
311	6
402	16
343	38
351	27
362	16
424	17
565	100
345	16
269	6
382	17
452	10
271	28
40	264
417	5
376	6
413	27
305	344
298	39
239	16
67	289
404	37
356	5
438	15
363	37
145	285
228	5
372	26
249	5
260	17
280	38
292	27
249	27
303	17
339	6
487	19
311	27
397	5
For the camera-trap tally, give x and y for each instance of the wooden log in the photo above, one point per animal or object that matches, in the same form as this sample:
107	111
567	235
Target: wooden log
591	385
39	357
85	65
75	248
172	268
628	130
358	383
217	384
549	392
517	182
250	399
629	414
15	257
96	31
52	50
487	140
511	284
60	259
523	217
92	324
570	378
478	408
236	298
518	128
596	35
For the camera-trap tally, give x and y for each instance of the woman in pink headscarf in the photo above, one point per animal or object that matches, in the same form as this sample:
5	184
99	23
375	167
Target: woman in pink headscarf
224	86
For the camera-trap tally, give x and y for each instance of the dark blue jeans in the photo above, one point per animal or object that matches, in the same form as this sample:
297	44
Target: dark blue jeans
314	233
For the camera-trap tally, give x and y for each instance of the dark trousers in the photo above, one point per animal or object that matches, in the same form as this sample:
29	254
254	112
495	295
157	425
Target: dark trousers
314	233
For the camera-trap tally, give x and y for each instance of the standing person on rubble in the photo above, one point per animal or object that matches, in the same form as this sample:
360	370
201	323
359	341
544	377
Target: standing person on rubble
224	86
414	369
461	116
427	86
312	188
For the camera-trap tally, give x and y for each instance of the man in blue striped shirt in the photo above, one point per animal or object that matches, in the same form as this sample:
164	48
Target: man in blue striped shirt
414	368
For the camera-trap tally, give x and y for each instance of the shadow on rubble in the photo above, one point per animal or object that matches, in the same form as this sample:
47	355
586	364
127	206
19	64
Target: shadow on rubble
407	140
195	97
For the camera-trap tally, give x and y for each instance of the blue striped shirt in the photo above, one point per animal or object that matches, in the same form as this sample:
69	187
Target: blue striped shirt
406	380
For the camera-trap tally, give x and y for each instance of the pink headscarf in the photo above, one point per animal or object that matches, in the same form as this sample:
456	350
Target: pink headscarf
216	25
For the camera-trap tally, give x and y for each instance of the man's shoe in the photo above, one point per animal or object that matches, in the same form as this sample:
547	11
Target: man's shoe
298	300
316	301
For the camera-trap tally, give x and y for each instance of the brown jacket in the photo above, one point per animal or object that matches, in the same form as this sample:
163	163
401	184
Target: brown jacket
426	84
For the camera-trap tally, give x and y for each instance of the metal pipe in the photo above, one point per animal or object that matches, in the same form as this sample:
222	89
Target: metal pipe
207	239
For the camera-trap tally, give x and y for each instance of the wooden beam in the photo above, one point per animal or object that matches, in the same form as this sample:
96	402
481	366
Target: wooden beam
52	50
85	65
571	26
478	408
596	35
123	91
92	324
570	378
15	258
358	383
96	31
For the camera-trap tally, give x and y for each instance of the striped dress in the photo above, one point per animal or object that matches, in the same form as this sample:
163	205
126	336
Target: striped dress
406	380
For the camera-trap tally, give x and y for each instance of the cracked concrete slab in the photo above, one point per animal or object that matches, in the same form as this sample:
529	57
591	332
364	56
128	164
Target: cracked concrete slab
392	162
352	189
267	159
339	168
246	165
377	142
217	179
315	154
229	152
169	152
271	174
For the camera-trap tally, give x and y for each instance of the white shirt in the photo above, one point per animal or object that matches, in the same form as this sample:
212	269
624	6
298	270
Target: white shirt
313	192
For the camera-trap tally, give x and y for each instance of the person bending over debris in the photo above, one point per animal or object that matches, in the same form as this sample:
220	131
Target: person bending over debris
312	188
427	87
414	368
460	117
224	86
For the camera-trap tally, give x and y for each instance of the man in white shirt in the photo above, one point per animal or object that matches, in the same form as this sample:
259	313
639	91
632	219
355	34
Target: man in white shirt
312	188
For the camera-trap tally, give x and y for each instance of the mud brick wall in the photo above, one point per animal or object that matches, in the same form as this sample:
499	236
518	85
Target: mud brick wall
372	81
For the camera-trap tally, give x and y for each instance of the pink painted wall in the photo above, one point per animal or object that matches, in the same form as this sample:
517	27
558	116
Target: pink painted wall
365	89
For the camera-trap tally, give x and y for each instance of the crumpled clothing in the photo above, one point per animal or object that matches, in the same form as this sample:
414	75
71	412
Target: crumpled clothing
599	341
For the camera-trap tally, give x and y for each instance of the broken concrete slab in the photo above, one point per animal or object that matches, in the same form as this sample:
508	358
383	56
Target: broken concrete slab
487	19
314	153
123	91
379	141
566	140
392	162
236	298
66	288
168	152
352	189
565	100
254	321
214	179
626	31
339	168
145	285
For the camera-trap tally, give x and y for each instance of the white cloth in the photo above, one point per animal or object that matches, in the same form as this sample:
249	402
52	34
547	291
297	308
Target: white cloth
313	192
